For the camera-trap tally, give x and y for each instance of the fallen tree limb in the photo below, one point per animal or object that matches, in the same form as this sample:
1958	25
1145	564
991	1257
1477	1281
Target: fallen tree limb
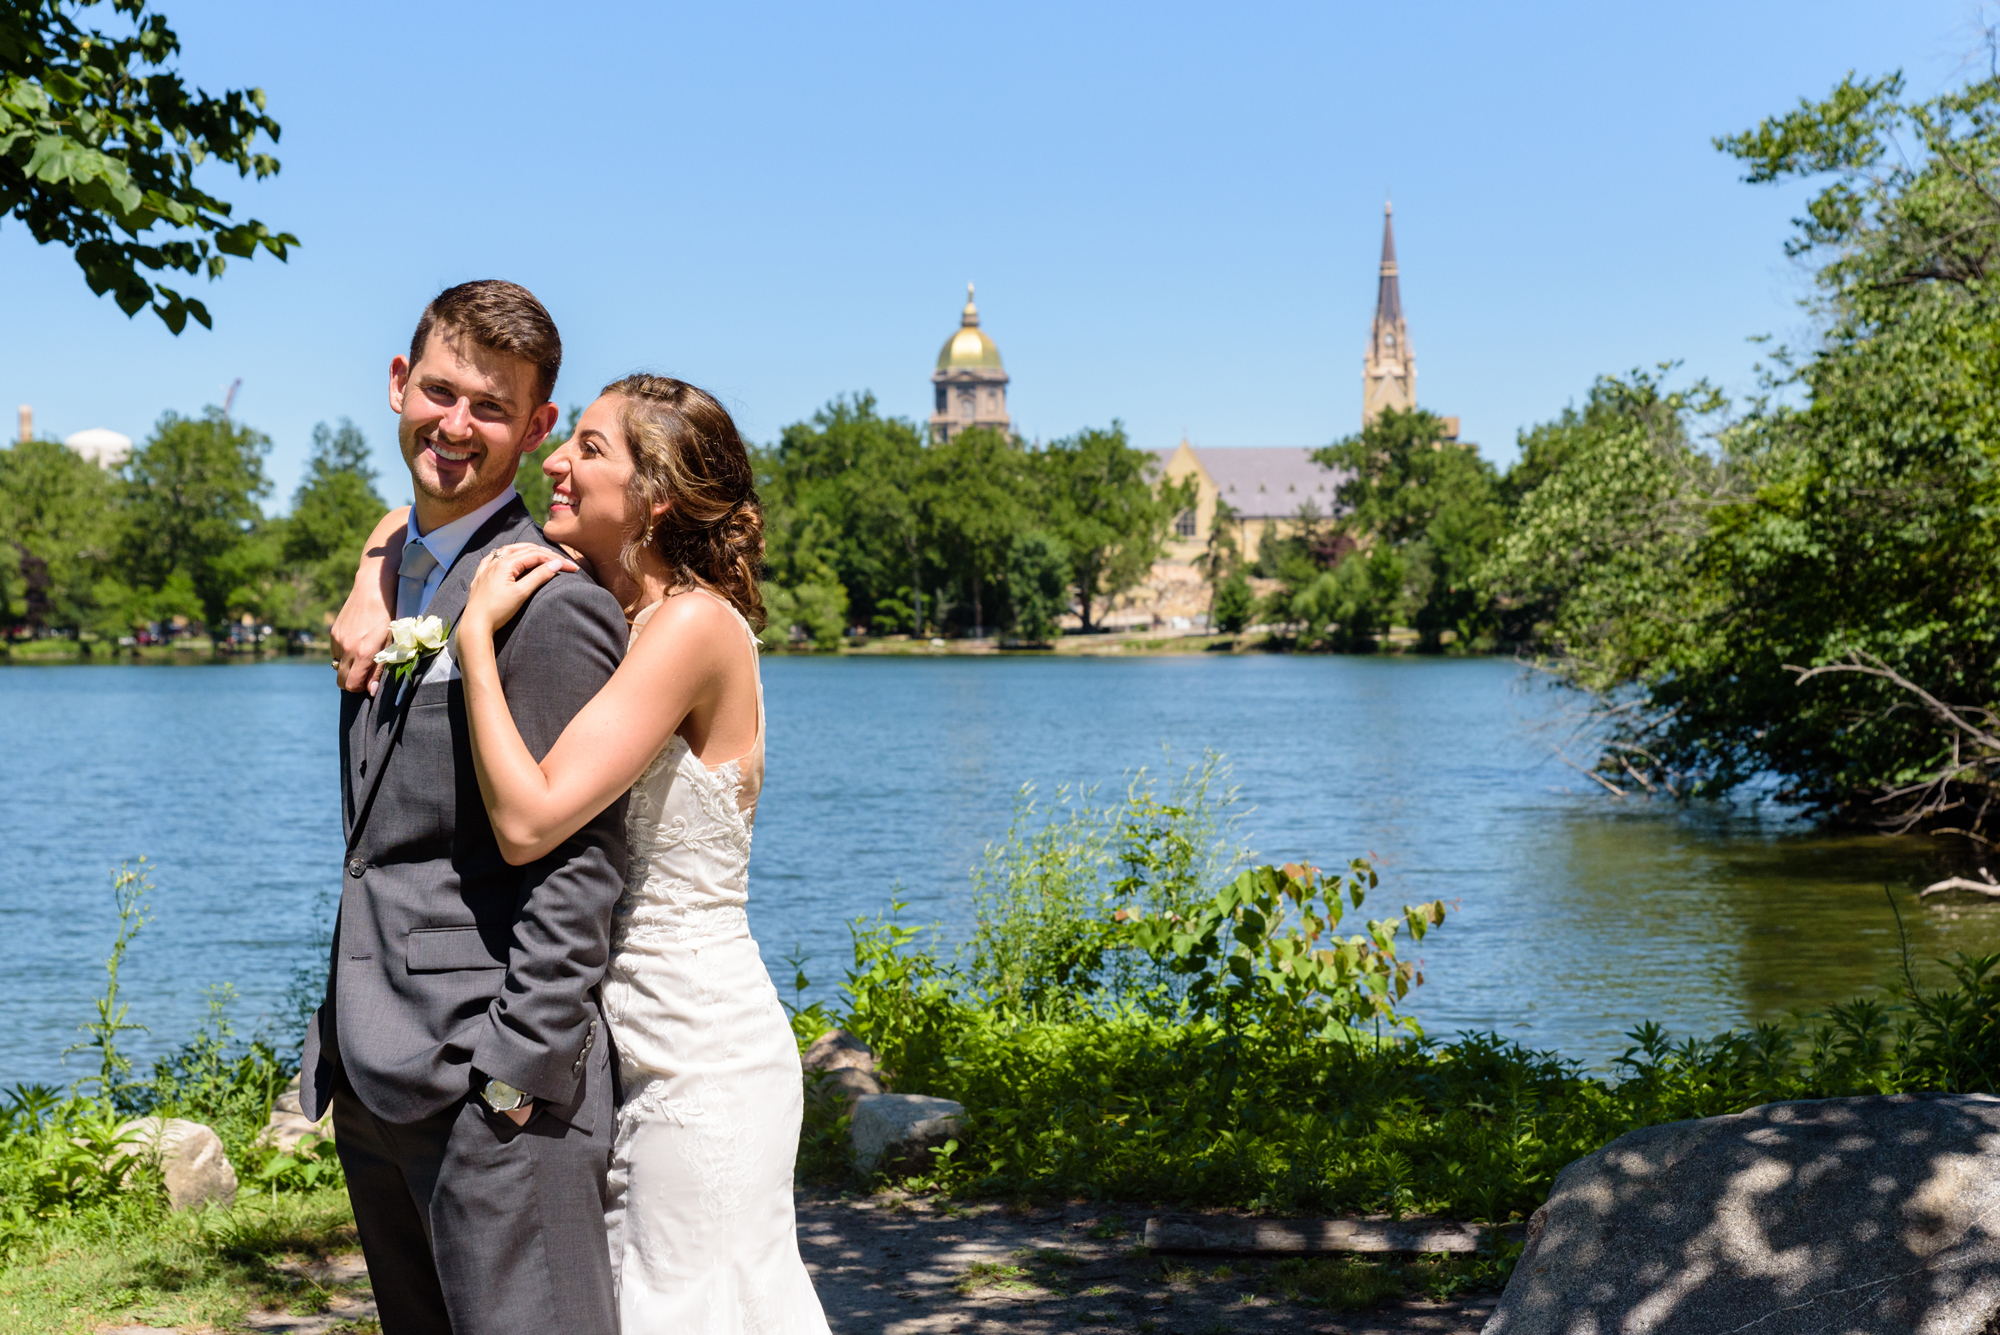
1960	883
1208	1233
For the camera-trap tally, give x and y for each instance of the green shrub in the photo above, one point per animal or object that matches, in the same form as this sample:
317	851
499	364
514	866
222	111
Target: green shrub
1117	1030
816	609
1234	603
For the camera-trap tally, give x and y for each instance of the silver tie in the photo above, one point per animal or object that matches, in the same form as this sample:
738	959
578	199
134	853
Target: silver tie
410	576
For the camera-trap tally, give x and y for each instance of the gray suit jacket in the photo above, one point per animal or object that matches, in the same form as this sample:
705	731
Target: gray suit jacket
445	959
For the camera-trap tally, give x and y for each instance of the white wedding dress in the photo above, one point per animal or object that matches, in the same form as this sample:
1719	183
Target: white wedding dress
703	1237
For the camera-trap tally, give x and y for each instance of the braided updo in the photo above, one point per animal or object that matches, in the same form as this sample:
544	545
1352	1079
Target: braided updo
686	451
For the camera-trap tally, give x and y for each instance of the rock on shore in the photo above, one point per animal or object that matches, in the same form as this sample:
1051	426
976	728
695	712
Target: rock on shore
288	1124
191	1159
1853	1215
839	1065
899	1130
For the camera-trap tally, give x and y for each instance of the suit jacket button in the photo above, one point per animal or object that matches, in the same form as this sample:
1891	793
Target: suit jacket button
355	866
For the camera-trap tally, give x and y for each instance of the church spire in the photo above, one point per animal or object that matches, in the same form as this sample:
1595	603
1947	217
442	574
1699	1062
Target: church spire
1389	370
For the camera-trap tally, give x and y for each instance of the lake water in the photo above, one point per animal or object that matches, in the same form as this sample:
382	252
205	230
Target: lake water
1578	916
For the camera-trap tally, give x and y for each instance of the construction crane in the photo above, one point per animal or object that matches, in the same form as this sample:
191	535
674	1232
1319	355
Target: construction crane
230	398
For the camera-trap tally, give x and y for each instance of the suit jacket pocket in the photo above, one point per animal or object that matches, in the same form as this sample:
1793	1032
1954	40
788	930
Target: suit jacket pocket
439	949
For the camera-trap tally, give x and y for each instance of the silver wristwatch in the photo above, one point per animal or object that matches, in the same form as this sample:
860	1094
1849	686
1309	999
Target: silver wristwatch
502	1097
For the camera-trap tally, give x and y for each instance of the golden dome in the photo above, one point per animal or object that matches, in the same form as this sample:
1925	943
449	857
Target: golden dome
969	348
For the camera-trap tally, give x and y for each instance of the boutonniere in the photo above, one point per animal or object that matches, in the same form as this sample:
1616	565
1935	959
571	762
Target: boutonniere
412	639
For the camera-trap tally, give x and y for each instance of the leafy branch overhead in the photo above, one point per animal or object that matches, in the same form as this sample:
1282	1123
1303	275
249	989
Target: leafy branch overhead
1914	197
99	146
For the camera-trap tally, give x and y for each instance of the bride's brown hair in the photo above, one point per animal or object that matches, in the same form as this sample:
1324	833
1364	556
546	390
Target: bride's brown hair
686	451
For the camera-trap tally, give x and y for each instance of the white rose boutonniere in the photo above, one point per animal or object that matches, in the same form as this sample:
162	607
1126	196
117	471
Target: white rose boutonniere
412	639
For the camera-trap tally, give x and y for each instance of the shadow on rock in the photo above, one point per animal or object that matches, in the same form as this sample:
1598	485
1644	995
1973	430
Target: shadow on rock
1853	1215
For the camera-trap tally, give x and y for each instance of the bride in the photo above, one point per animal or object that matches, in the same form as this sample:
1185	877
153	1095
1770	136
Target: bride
654	490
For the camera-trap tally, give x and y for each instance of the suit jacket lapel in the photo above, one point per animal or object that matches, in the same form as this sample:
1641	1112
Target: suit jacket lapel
391	704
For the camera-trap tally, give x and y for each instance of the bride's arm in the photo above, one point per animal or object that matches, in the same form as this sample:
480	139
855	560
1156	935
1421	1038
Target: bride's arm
679	662
362	627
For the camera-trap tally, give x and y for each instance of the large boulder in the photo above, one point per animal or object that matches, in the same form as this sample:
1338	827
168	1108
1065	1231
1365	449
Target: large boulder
288	1124
898	1130
1830	1217
191	1159
839	1065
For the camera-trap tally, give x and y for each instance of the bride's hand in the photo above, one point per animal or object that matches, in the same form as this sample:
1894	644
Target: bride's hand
504	581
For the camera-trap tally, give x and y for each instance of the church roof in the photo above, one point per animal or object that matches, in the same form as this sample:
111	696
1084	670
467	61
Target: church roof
969	347
1268	481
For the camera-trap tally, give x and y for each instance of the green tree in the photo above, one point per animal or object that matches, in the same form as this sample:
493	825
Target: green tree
308	558
1103	500
1436	503
1038	574
1814	601
191	502
1331	594
1609	503
336	504
99	142
980	487
56	526
1221	564
1232	603
848	499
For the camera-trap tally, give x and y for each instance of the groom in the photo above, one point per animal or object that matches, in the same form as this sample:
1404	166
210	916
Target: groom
460	1043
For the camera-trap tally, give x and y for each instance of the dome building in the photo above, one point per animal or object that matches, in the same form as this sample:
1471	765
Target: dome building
971	384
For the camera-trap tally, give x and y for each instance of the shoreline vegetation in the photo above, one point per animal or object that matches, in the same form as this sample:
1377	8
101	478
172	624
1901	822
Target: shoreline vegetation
1139	1020
194	649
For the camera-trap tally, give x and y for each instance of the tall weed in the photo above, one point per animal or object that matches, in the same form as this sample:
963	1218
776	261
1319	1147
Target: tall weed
1048	898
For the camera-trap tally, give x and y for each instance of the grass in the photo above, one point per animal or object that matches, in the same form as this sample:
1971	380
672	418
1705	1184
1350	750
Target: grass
993	1275
133	1265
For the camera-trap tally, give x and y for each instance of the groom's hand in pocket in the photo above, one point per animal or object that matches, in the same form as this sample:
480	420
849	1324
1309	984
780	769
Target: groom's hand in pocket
519	1116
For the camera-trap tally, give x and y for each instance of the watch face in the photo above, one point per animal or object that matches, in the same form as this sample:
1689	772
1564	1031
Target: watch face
503	1097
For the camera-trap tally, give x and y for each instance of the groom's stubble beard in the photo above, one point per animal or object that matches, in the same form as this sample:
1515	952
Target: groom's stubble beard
490	473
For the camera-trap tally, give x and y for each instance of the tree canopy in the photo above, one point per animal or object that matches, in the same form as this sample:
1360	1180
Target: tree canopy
868	525
1431	505
99	147
179	531
1810	599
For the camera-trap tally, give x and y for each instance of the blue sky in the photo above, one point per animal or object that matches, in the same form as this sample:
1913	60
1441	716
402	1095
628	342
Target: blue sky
1172	212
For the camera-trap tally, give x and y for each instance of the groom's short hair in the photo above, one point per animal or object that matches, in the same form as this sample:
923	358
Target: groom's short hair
501	316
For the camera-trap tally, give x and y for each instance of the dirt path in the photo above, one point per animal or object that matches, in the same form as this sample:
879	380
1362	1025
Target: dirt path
900	1268
885	1265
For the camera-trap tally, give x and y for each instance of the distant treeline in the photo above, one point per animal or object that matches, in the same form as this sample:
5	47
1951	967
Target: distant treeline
178	531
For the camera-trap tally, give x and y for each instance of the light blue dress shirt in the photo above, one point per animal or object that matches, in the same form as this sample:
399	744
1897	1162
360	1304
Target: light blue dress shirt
446	541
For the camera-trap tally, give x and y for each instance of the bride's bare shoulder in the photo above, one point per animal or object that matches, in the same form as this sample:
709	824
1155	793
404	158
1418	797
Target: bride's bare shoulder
688	619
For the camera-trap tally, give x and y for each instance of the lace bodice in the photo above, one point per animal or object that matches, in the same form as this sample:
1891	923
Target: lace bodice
687	834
